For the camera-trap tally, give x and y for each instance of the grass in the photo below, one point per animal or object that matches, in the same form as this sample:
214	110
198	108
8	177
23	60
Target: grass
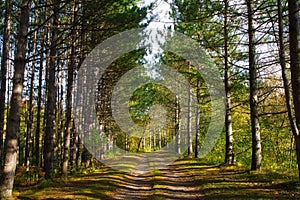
99	185
236	182
185	179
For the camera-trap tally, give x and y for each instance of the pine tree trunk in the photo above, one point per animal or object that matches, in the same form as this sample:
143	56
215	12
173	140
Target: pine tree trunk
28	145
70	82
29	135
38	116
255	128
229	155
197	145
79	152
153	131
12	136
68	125
39	106
75	147
159	139
49	141
294	30
285	80
59	112
4	63
189	123
48	41
150	140
177	127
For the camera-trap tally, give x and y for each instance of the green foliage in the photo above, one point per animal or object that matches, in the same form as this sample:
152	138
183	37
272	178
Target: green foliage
146	97
278	145
110	17
204	22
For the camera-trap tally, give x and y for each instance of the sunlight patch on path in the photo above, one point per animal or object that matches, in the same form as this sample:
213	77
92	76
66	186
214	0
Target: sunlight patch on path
167	183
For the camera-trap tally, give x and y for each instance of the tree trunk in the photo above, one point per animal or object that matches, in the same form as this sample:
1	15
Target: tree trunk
59	113
12	136
39	107
189	124
294	31
29	135
4	63
177	127
255	128
75	147
28	144
42	154
159	139
79	153
68	125
197	144
49	141
154	139
229	153
150	140
38	116
284	73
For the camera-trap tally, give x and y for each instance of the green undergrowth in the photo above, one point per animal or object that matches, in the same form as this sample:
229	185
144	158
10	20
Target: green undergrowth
238	182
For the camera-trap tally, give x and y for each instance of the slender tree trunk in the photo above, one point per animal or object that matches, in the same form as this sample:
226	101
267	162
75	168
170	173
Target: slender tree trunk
75	147
150	140
59	112
4	63
12	136
197	145
70	82
79	152
154	139
23	120
49	141
39	104
255	128
144	141
284	73
28	145
294	30
177	127
229	155
38	116
68	125
159	139
29	135
42	157
189	124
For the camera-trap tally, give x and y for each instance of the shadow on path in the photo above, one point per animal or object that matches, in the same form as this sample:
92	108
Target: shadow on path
184	179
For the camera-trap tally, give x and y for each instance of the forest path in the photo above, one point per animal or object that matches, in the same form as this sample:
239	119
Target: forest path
184	179
167	183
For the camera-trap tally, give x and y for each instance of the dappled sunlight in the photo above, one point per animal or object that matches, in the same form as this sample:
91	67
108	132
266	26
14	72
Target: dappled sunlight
184	179
233	182
167	183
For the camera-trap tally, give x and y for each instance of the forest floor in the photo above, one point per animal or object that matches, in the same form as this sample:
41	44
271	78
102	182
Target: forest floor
185	179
